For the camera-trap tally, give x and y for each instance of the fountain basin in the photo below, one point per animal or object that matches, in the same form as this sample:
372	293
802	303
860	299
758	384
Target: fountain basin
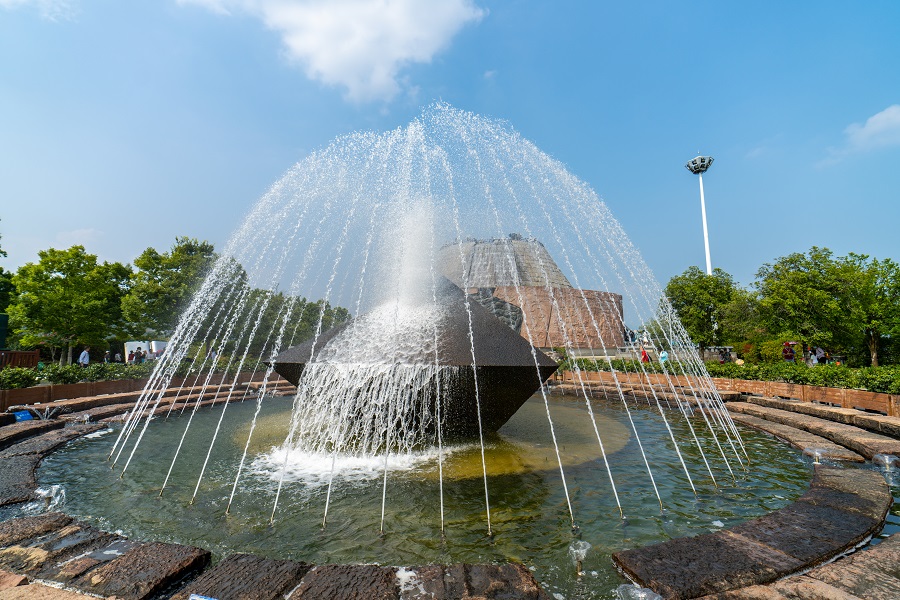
527	502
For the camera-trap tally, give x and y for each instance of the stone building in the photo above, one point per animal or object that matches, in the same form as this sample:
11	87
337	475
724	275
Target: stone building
519	282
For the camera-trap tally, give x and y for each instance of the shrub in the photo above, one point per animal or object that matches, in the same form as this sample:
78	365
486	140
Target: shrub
57	374
12	378
874	379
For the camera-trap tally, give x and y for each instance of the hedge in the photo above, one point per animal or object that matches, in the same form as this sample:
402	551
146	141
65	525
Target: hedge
13	377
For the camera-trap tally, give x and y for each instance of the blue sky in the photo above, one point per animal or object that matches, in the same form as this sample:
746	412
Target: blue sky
125	124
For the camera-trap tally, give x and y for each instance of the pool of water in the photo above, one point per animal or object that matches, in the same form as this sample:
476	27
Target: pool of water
528	508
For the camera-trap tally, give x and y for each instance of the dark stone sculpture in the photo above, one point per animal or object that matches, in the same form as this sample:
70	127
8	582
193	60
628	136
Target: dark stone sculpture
507	369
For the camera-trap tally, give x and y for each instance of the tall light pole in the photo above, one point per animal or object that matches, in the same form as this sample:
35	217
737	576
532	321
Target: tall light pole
698	166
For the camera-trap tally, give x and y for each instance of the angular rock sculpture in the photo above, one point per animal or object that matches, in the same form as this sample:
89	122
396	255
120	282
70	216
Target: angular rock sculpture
435	332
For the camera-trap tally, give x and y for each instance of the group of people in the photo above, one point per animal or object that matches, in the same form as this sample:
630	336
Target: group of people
135	357
814	355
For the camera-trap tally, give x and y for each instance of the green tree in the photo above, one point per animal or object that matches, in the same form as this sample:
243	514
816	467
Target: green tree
802	296
700	301
6	286
871	300
163	284
740	321
68	298
298	316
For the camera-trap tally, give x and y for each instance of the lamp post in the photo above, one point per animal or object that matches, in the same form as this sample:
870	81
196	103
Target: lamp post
698	166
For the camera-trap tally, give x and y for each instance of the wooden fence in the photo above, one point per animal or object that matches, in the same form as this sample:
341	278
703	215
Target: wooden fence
888	404
18	358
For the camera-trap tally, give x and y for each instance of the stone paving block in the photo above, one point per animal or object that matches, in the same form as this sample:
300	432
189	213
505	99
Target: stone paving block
19	530
705	564
873	573
348	582
247	577
801	535
793	588
9	580
40	556
851	490
463	581
17	482
803	440
809	533
859	440
143	572
36	591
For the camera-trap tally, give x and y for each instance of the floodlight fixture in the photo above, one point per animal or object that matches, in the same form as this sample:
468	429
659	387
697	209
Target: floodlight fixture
698	166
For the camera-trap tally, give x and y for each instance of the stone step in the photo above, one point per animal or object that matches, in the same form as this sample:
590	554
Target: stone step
877	423
11	434
870	574
841	509
857	439
62	407
54	547
802	440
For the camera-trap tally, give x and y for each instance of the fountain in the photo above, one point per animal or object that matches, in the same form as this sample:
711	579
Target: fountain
467	257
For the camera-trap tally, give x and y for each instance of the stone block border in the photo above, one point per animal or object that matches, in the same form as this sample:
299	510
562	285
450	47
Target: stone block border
842	509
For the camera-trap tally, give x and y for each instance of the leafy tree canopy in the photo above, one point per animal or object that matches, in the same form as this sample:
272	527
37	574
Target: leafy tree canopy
163	284
871	300
68	298
6	286
801	297
700	301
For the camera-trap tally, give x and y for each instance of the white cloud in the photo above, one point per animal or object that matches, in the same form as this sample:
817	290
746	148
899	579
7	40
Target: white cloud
882	129
52	10
360	45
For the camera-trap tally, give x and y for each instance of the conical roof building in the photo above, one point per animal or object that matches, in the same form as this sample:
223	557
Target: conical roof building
518	276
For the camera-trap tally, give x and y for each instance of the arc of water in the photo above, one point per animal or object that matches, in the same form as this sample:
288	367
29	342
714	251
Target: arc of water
587	247
562	325
700	369
147	419
516	284
319	323
645	375
465	276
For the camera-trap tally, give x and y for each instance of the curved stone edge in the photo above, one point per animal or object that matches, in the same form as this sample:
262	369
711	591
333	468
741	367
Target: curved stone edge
54	547
872	574
841	509
802	440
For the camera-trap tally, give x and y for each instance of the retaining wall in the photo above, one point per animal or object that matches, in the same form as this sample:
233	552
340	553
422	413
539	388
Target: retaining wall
888	404
49	393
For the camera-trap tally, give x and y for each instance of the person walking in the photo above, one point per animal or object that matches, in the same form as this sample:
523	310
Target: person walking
85	357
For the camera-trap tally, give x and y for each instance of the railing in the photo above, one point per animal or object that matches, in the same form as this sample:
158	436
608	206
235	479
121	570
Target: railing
19	358
888	404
